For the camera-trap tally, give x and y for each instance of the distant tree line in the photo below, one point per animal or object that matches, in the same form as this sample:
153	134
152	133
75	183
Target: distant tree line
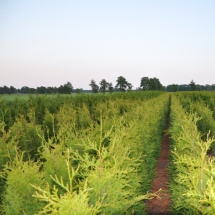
192	86
122	85
64	89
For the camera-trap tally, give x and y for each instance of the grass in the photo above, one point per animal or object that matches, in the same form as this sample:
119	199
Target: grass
13	97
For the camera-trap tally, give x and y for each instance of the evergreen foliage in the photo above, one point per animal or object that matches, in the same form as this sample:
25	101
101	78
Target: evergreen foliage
82	155
192	183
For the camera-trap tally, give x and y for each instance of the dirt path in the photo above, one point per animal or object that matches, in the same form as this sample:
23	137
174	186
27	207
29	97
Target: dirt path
161	206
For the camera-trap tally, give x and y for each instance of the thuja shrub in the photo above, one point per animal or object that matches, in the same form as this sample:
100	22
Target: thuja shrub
206	121
69	132
53	157
18	193
71	200
38	104
28	137
7	145
11	109
49	125
111	178
114	177
7	152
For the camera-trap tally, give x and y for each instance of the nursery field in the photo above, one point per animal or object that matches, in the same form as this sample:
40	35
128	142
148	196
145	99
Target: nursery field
26	97
98	153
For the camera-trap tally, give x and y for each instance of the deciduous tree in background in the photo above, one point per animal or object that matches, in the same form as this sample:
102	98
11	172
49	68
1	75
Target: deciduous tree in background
144	83
155	84
103	86
121	84
66	88
150	84
94	86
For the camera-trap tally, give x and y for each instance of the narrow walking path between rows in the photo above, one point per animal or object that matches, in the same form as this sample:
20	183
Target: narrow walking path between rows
161	205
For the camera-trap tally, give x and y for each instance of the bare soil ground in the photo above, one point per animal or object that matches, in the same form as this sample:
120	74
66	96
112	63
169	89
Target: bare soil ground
161	205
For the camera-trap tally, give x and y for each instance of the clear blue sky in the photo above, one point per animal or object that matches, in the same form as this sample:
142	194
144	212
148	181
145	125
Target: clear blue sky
50	42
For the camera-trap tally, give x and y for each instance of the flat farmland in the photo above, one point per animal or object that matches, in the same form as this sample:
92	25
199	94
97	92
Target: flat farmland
102	154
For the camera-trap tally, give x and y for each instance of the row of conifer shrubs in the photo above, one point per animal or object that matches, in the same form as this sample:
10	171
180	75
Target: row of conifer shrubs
204	111
95	159
192	170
